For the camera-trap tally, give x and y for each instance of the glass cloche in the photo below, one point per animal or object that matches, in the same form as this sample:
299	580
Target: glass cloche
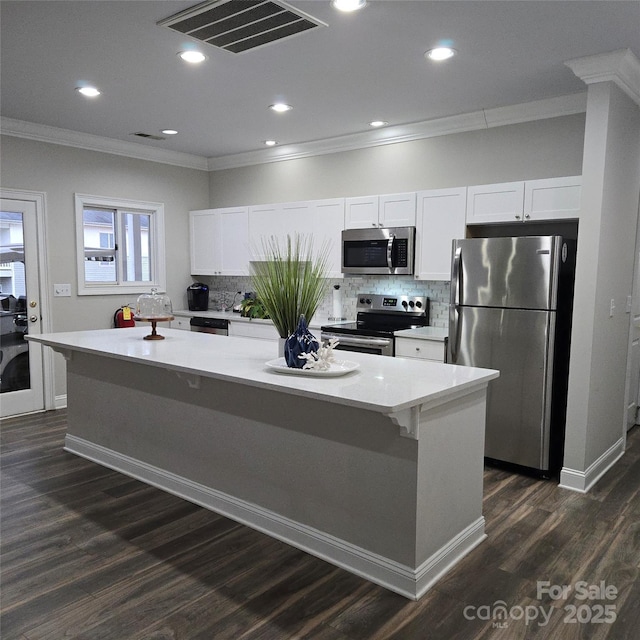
153	306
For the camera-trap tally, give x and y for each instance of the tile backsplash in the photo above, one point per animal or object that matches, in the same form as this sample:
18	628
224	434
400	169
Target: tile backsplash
224	292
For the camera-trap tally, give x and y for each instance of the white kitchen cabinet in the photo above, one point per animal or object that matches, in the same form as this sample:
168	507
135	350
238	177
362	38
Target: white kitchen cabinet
553	199
181	323
526	201
422	349
219	241
391	210
322	220
248	329
440	219
488	203
328	223
361	213
277	221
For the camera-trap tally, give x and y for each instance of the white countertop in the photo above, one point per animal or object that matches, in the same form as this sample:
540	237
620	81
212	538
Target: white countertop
380	384
423	333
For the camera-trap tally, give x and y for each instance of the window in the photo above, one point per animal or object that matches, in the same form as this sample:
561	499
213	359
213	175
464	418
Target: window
120	245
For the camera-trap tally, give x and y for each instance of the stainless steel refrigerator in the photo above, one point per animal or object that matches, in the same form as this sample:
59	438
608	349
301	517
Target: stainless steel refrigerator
511	305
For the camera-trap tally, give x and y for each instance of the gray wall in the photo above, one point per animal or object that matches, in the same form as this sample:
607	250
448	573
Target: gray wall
61	171
540	149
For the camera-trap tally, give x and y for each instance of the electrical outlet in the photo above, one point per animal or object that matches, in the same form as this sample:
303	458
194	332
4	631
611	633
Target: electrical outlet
629	302
62	290
612	308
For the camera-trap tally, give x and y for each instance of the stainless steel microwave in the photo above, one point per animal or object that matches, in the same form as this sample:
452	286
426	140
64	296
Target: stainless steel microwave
379	251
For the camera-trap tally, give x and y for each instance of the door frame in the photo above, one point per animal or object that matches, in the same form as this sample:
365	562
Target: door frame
39	199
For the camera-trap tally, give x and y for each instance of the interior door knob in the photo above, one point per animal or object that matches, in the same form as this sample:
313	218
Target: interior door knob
33	318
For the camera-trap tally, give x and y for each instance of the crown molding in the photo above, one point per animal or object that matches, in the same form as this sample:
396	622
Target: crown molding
68	138
477	120
501	116
620	67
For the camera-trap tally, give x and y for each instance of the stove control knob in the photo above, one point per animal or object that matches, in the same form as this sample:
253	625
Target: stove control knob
412	303
368	300
418	304
404	304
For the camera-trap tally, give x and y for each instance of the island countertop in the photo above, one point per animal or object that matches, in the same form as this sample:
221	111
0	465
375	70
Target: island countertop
378	471
382	384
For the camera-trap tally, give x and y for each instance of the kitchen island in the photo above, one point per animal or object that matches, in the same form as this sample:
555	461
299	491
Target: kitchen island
378	471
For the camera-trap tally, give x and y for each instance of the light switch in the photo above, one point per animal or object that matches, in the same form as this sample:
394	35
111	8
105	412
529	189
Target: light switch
62	290
612	308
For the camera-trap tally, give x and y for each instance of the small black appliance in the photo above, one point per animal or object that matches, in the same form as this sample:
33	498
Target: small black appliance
198	297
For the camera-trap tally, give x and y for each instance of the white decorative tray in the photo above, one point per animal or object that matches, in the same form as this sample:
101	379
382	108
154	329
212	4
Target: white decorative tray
338	368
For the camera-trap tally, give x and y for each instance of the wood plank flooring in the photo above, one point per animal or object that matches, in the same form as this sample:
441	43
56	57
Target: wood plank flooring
88	553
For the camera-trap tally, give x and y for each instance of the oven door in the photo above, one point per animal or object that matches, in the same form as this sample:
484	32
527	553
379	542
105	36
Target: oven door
362	344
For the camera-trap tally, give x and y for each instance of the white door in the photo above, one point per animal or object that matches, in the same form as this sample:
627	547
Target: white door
21	367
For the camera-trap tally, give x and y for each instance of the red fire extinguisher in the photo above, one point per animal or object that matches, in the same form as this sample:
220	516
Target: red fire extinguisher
123	317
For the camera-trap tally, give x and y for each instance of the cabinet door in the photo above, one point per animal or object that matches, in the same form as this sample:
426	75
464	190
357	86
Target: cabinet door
328	223
361	213
203	232
552	199
233	241
264	222
397	210
440	219
489	203
422	349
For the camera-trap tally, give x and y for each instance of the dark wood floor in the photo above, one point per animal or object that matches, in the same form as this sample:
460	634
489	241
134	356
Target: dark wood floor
89	553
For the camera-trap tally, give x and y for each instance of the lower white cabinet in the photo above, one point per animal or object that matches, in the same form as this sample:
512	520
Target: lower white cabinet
259	330
422	349
181	323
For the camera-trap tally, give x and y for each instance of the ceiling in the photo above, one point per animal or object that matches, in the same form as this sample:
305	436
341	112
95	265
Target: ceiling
362	66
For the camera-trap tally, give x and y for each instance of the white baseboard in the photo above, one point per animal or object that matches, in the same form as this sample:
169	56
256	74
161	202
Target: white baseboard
60	402
583	481
409	582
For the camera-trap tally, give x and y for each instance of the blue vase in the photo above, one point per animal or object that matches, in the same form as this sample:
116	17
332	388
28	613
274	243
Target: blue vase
301	341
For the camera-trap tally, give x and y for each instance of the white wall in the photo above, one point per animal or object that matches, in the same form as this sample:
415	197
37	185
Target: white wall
540	149
596	415
61	171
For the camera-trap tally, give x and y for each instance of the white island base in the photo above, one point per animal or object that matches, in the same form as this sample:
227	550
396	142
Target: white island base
379	471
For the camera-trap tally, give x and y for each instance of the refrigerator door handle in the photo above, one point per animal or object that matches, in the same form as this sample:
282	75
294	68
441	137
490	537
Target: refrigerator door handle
454	305
390	252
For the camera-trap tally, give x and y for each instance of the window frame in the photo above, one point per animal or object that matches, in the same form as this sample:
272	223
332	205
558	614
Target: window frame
157	262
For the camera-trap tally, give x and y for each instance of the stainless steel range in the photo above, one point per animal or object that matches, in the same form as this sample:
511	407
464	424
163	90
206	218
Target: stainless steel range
378	317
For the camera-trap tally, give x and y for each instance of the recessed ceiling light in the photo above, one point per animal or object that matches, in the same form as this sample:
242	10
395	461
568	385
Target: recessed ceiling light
192	56
378	123
440	53
280	107
270	143
348	5
169	132
89	92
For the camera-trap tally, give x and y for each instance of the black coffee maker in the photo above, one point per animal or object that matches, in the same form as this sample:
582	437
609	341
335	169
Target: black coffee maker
198	296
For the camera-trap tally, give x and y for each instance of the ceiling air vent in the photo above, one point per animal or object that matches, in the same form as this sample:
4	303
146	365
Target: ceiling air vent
241	25
149	136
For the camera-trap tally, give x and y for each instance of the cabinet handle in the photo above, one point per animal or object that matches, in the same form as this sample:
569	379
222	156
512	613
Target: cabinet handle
527	216
517	217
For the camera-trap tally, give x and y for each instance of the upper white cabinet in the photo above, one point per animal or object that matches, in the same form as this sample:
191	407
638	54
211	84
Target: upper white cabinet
440	219
503	202
322	220
391	210
532	200
219	241
553	199
328	223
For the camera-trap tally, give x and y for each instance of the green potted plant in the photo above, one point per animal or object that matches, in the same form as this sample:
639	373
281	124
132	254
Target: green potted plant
290	280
